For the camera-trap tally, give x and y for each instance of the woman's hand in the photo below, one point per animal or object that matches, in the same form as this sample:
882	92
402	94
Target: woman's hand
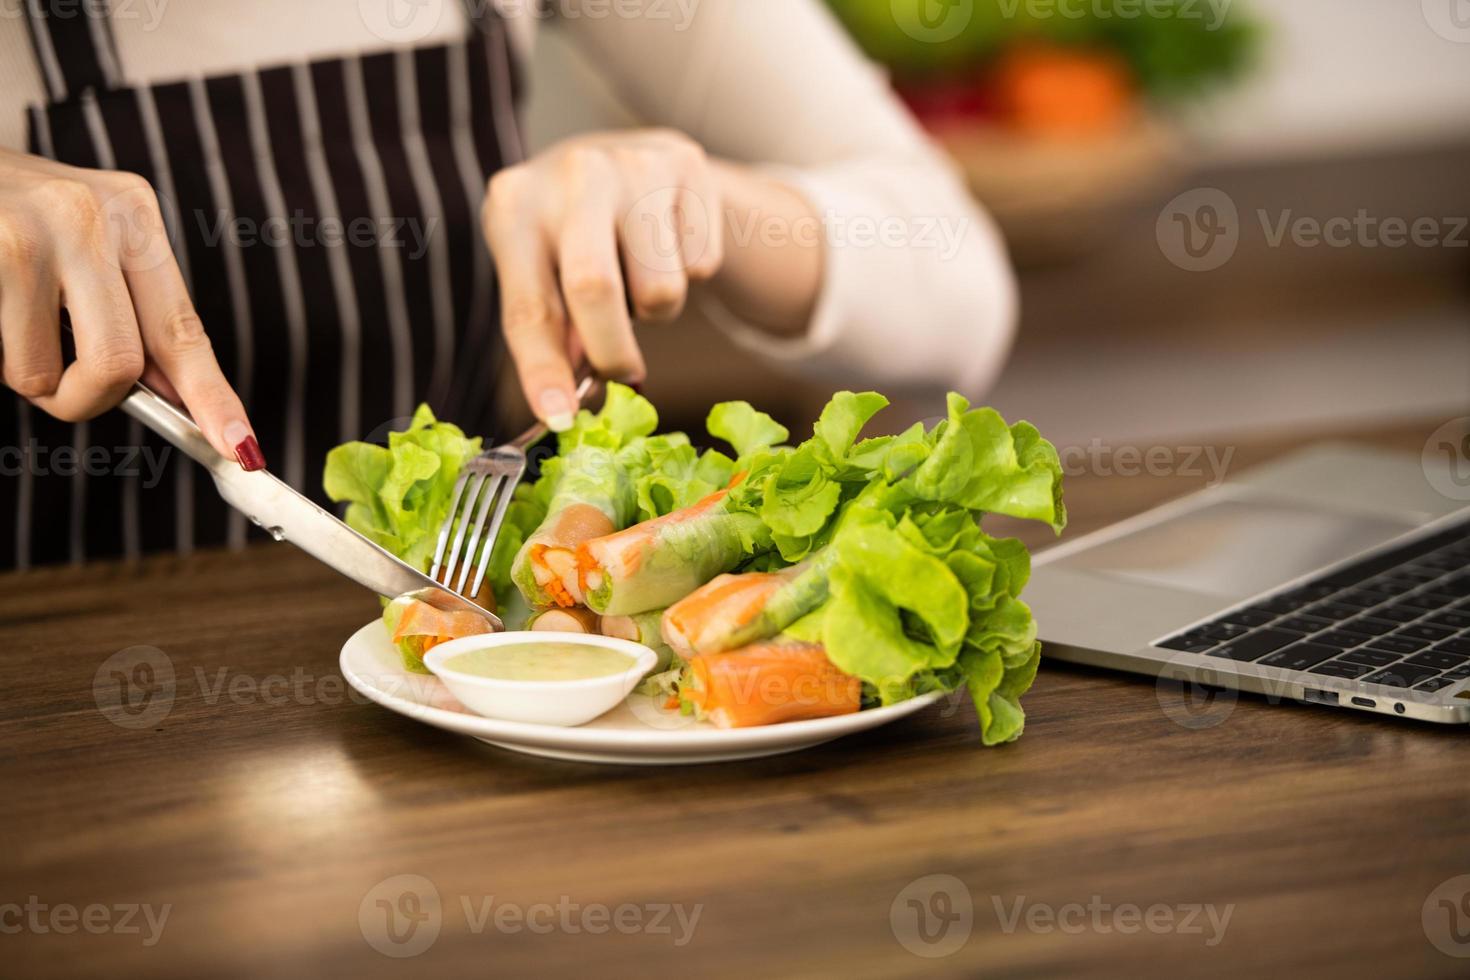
586	237
94	242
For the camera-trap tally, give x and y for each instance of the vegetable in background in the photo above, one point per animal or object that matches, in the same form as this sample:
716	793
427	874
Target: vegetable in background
1175	49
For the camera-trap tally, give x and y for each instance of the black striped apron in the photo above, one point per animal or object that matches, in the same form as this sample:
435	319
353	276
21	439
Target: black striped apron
325	217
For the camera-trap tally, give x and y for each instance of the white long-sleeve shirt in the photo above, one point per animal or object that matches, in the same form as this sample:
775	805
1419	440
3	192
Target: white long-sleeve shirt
918	290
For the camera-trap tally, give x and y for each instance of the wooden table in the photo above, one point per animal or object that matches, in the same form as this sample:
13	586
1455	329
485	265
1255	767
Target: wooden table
266	809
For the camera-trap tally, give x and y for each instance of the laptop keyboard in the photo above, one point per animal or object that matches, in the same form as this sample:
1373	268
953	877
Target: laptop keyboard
1400	618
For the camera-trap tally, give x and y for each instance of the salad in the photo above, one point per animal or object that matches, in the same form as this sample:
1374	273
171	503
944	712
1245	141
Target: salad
778	582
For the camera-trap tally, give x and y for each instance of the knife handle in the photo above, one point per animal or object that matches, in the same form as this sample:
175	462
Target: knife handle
173	425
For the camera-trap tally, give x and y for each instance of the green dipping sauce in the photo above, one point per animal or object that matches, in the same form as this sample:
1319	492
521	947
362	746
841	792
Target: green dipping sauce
542	662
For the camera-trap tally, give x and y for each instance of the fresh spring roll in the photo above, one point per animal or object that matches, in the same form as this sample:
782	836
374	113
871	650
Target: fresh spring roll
734	610
641	628
594	497
574	620
417	626
658	562
768	683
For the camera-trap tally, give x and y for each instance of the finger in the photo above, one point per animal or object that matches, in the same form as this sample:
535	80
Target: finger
109	350
533	319
592	284
702	228
30	329
180	349
654	258
159	384
172	332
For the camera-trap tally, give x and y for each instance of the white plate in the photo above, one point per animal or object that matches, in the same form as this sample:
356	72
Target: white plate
637	732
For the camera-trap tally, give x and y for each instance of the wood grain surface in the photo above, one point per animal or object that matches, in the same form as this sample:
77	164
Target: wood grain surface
269	812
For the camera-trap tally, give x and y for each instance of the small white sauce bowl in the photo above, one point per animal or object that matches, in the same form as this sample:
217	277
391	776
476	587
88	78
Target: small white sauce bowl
565	704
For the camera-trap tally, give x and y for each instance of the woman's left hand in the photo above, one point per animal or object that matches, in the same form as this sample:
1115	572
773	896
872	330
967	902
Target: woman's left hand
589	235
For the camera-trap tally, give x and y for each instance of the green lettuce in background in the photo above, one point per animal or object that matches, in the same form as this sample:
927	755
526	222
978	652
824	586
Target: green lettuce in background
1176	49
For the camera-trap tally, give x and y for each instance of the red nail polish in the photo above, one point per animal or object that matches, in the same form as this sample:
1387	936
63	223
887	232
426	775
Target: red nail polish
249	454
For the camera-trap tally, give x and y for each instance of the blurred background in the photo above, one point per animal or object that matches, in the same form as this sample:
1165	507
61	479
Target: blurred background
1100	133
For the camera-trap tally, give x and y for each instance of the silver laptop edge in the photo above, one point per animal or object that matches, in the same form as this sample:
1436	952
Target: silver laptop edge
1107	598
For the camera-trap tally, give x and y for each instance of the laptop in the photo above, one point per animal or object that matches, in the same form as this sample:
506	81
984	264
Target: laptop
1339	576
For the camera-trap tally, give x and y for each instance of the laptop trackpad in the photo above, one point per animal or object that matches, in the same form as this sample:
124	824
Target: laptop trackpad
1236	548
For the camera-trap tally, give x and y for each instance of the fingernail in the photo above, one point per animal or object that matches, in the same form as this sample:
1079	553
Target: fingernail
247	450
556	409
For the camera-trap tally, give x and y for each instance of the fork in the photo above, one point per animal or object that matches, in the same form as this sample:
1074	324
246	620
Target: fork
489	479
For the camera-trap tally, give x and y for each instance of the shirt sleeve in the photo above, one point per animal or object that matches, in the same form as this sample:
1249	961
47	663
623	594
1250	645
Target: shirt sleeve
918	290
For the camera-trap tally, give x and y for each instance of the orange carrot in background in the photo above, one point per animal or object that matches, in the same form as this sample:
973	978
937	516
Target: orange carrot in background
1046	90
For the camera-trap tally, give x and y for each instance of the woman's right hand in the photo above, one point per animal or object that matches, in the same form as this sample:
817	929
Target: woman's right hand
94	242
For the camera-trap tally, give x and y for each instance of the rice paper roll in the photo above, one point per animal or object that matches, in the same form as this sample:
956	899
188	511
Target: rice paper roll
416	624
734	610
558	620
768	683
656	563
594	497
644	628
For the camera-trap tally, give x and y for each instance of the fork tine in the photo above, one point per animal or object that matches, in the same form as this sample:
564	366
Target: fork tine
477	481
486	499
505	465
501	506
444	530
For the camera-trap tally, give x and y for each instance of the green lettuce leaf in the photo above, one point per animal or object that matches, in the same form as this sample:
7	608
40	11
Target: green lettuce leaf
843	419
744	428
398	495
625	415
676	475
977	461
897	610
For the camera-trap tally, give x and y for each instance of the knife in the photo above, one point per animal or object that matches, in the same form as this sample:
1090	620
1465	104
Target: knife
286	515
